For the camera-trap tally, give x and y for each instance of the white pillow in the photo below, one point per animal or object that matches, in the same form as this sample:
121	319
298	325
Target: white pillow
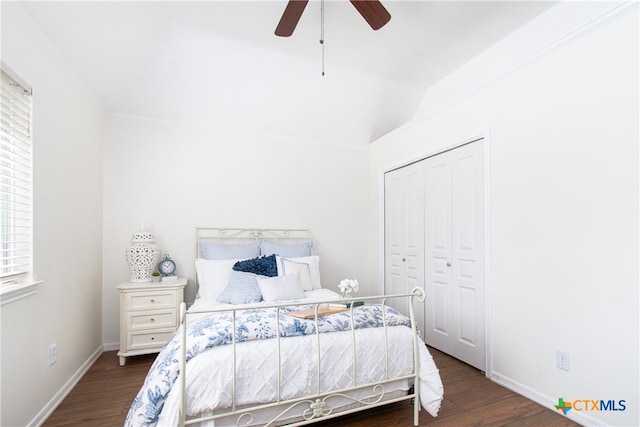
280	288
312	261
213	276
300	268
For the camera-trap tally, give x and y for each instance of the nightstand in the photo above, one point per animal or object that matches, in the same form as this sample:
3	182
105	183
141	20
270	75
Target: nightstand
148	315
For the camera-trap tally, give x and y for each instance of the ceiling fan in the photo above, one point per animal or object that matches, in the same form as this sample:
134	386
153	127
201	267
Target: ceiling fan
371	10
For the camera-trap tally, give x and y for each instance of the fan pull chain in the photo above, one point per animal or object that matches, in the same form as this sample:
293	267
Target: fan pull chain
322	32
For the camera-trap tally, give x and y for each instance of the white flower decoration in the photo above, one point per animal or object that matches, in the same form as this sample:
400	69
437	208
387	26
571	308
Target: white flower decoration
347	286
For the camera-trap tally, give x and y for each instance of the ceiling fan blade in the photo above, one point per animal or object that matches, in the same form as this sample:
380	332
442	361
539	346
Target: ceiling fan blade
373	12
290	17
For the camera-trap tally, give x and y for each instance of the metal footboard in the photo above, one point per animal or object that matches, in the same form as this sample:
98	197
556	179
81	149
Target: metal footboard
315	404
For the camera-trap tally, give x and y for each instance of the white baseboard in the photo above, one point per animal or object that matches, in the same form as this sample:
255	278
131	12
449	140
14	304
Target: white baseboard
546	401
111	346
51	406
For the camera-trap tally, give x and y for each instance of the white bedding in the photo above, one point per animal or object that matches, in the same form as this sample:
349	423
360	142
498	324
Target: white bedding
209	382
209	385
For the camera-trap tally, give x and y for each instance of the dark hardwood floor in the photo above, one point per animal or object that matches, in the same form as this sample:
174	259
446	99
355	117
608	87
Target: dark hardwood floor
103	395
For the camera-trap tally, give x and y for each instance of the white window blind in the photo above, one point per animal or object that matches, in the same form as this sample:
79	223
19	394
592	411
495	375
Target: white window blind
15	180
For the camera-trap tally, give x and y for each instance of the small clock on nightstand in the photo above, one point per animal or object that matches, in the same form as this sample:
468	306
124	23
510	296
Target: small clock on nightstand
166	266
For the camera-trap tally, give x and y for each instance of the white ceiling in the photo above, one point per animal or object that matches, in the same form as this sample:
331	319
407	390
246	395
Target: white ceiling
218	63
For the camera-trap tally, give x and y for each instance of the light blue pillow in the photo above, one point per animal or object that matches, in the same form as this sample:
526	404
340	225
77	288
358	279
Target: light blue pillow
242	288
210	250
288	250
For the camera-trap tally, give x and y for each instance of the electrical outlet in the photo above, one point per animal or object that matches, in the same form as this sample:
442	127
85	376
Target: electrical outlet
53	354
562	360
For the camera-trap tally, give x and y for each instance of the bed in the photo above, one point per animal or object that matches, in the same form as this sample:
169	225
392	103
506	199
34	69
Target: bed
266	344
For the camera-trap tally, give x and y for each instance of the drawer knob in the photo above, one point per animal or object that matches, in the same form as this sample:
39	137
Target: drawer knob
153	338
153	320
152	300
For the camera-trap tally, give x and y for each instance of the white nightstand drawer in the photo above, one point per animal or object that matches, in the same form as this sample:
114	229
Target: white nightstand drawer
150	300
138	320
148	340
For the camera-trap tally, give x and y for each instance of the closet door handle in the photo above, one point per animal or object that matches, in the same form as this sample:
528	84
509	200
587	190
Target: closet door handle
448	264
404	259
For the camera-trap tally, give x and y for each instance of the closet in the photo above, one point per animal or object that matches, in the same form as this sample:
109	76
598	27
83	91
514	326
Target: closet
435	238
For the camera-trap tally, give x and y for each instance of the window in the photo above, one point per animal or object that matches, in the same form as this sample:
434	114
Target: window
15	182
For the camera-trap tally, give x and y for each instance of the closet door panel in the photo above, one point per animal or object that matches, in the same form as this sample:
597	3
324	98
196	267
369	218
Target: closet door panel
393	201
404	235
467	197
454	253
414	248
414	236
437	173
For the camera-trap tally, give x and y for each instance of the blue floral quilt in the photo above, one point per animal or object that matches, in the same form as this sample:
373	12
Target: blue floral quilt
216	330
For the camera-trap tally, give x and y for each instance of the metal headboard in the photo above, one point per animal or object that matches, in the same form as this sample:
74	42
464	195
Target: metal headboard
239	236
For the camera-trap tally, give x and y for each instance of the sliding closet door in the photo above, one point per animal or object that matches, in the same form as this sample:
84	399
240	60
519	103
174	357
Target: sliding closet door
404	235
454	253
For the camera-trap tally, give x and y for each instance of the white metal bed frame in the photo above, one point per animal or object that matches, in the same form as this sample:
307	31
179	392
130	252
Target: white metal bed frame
317	406
318	401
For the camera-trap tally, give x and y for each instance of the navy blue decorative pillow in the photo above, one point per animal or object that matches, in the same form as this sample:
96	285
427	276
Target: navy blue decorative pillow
265	266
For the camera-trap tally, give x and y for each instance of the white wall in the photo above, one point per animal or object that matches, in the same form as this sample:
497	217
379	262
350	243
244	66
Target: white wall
563	136
173	178
67	231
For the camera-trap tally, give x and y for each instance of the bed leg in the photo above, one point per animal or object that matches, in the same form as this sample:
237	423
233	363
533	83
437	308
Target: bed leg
416	407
